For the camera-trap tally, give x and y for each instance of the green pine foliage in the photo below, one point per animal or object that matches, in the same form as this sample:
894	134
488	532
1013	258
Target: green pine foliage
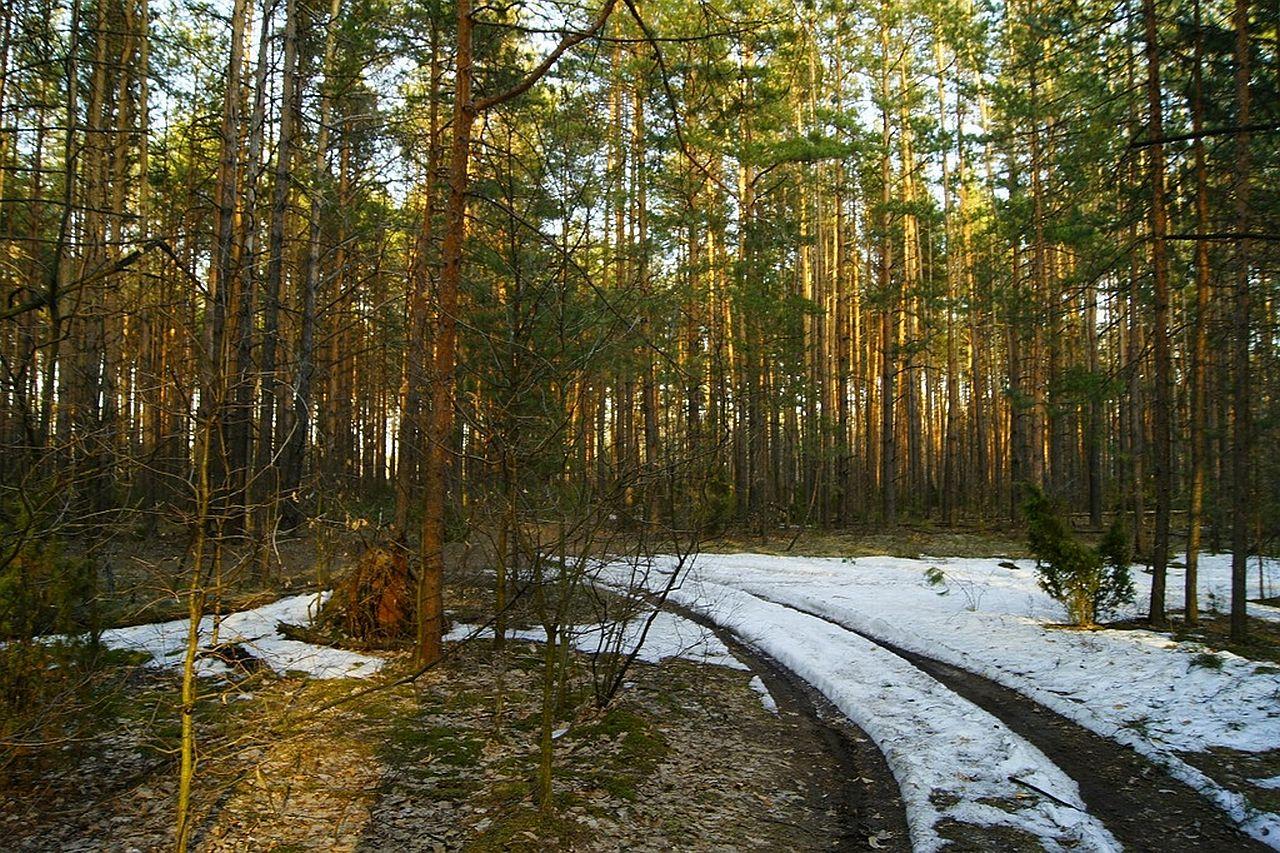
1086	580
42	590
54	677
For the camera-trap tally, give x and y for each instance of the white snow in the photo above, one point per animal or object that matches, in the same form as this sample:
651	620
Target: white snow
1271	782
669	636
766	698
1137	687
947	754
254	629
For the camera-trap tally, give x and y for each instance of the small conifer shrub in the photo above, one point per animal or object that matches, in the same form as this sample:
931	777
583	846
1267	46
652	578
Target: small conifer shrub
1085	580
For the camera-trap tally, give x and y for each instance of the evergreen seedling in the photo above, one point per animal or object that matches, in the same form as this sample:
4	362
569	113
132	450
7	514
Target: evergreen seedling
1085	580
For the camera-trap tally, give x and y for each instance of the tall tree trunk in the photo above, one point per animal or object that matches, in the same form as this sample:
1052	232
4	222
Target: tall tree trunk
226	481
1240	392
89	388
1160	327
1135	427
266	465
1094	433
951	462
439	433
295	446
1020	437
240	417
1199	334
1034	416
412	427
888	350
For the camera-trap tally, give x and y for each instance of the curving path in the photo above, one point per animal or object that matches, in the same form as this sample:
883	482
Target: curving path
979	765
959	768
1139	802
861	784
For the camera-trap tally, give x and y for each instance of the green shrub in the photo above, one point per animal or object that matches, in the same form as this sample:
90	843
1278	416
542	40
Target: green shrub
57	684
1207	660
935	577
42	591
715	505
1085	580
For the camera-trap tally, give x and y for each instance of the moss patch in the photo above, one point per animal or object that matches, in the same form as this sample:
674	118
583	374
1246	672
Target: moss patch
639	749
524	827
436	743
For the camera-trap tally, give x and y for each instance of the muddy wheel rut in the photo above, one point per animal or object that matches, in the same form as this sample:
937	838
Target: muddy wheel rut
860	784
1144	807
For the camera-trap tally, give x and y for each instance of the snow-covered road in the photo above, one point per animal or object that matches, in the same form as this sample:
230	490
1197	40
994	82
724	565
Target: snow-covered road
951	758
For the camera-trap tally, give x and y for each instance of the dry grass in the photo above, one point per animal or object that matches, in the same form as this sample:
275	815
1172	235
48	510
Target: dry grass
906	540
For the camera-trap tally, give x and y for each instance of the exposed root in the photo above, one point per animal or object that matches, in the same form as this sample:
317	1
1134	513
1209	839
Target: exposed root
373	604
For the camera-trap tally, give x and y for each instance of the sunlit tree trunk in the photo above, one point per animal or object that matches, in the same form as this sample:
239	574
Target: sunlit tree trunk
888	354
411	414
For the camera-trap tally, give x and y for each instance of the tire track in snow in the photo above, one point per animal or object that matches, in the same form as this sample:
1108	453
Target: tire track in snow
872	810
1137	800
953	760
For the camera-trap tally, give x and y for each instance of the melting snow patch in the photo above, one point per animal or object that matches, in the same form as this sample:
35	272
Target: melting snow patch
669	636
255	630
766	698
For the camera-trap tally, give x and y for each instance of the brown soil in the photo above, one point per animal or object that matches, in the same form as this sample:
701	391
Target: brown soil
144	580
847	771
907	540
1142	805
1240	772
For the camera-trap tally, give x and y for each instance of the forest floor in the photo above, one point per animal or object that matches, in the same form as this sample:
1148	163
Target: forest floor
849	704
692	755
689	758
906	540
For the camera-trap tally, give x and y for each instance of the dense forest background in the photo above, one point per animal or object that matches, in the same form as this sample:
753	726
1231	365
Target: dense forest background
723	265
